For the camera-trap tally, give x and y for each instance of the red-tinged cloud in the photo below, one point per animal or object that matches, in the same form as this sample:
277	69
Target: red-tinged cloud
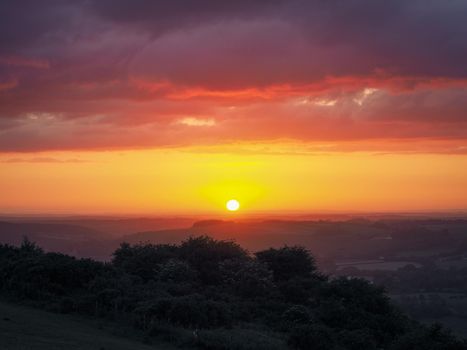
360	75
19	61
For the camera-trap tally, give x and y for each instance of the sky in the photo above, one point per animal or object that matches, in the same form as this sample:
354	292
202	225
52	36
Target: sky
175	107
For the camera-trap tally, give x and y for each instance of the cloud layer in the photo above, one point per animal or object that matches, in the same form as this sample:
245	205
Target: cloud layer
123	74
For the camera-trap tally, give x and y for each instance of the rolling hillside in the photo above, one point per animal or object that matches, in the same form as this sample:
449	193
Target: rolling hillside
24	328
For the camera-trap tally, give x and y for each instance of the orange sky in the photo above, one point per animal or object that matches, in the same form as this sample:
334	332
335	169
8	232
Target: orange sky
196	181
287	105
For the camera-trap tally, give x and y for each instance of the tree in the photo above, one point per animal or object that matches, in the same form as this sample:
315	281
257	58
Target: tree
288	262
429	338
240	301
313	336
247	278
205	254
297	315
143	260
175	270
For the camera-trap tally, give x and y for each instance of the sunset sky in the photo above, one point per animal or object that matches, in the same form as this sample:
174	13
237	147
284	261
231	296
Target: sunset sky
175	107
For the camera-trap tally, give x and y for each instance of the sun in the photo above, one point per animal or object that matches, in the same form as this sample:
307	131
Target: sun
232	205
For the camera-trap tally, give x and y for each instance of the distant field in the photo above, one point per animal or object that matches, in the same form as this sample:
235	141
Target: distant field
460	263
457	324
422	253
23	328
455	302
371	265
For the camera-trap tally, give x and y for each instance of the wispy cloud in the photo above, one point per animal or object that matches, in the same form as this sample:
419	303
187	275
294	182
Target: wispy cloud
43	160
191	121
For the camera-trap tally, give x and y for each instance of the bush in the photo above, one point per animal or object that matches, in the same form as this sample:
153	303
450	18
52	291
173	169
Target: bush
164	331
238	339
143	260
428	338
288	262
316	337
247	278
175	271
205	254
204	292
297	315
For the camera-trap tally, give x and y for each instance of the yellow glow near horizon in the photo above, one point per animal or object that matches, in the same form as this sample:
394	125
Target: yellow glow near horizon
186	182
232	205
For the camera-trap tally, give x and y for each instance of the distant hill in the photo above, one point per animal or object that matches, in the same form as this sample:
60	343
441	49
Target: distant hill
82	237
63	237
329	240
356	239
322	238
13	233
111	226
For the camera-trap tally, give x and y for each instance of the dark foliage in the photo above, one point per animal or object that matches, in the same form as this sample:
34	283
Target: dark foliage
142	260
214	295
288	262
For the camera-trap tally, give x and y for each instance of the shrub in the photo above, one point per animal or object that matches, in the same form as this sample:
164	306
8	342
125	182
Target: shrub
247	278
288	262
316	337
238	339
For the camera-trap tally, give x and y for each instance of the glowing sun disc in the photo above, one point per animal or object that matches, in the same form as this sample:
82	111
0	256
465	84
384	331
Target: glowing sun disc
233	205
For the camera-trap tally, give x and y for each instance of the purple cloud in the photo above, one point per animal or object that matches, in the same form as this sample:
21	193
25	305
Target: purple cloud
121	74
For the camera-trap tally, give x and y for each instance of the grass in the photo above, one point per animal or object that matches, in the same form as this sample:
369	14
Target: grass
24	328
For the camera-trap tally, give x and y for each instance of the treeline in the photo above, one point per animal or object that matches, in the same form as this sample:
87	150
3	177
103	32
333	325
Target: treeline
428	278
214	295
424	292
411	279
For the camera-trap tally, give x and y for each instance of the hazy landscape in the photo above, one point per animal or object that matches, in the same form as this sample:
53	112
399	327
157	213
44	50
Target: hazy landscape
233	175
420	260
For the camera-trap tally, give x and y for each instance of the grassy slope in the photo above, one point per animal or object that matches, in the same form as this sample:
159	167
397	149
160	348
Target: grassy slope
24	328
